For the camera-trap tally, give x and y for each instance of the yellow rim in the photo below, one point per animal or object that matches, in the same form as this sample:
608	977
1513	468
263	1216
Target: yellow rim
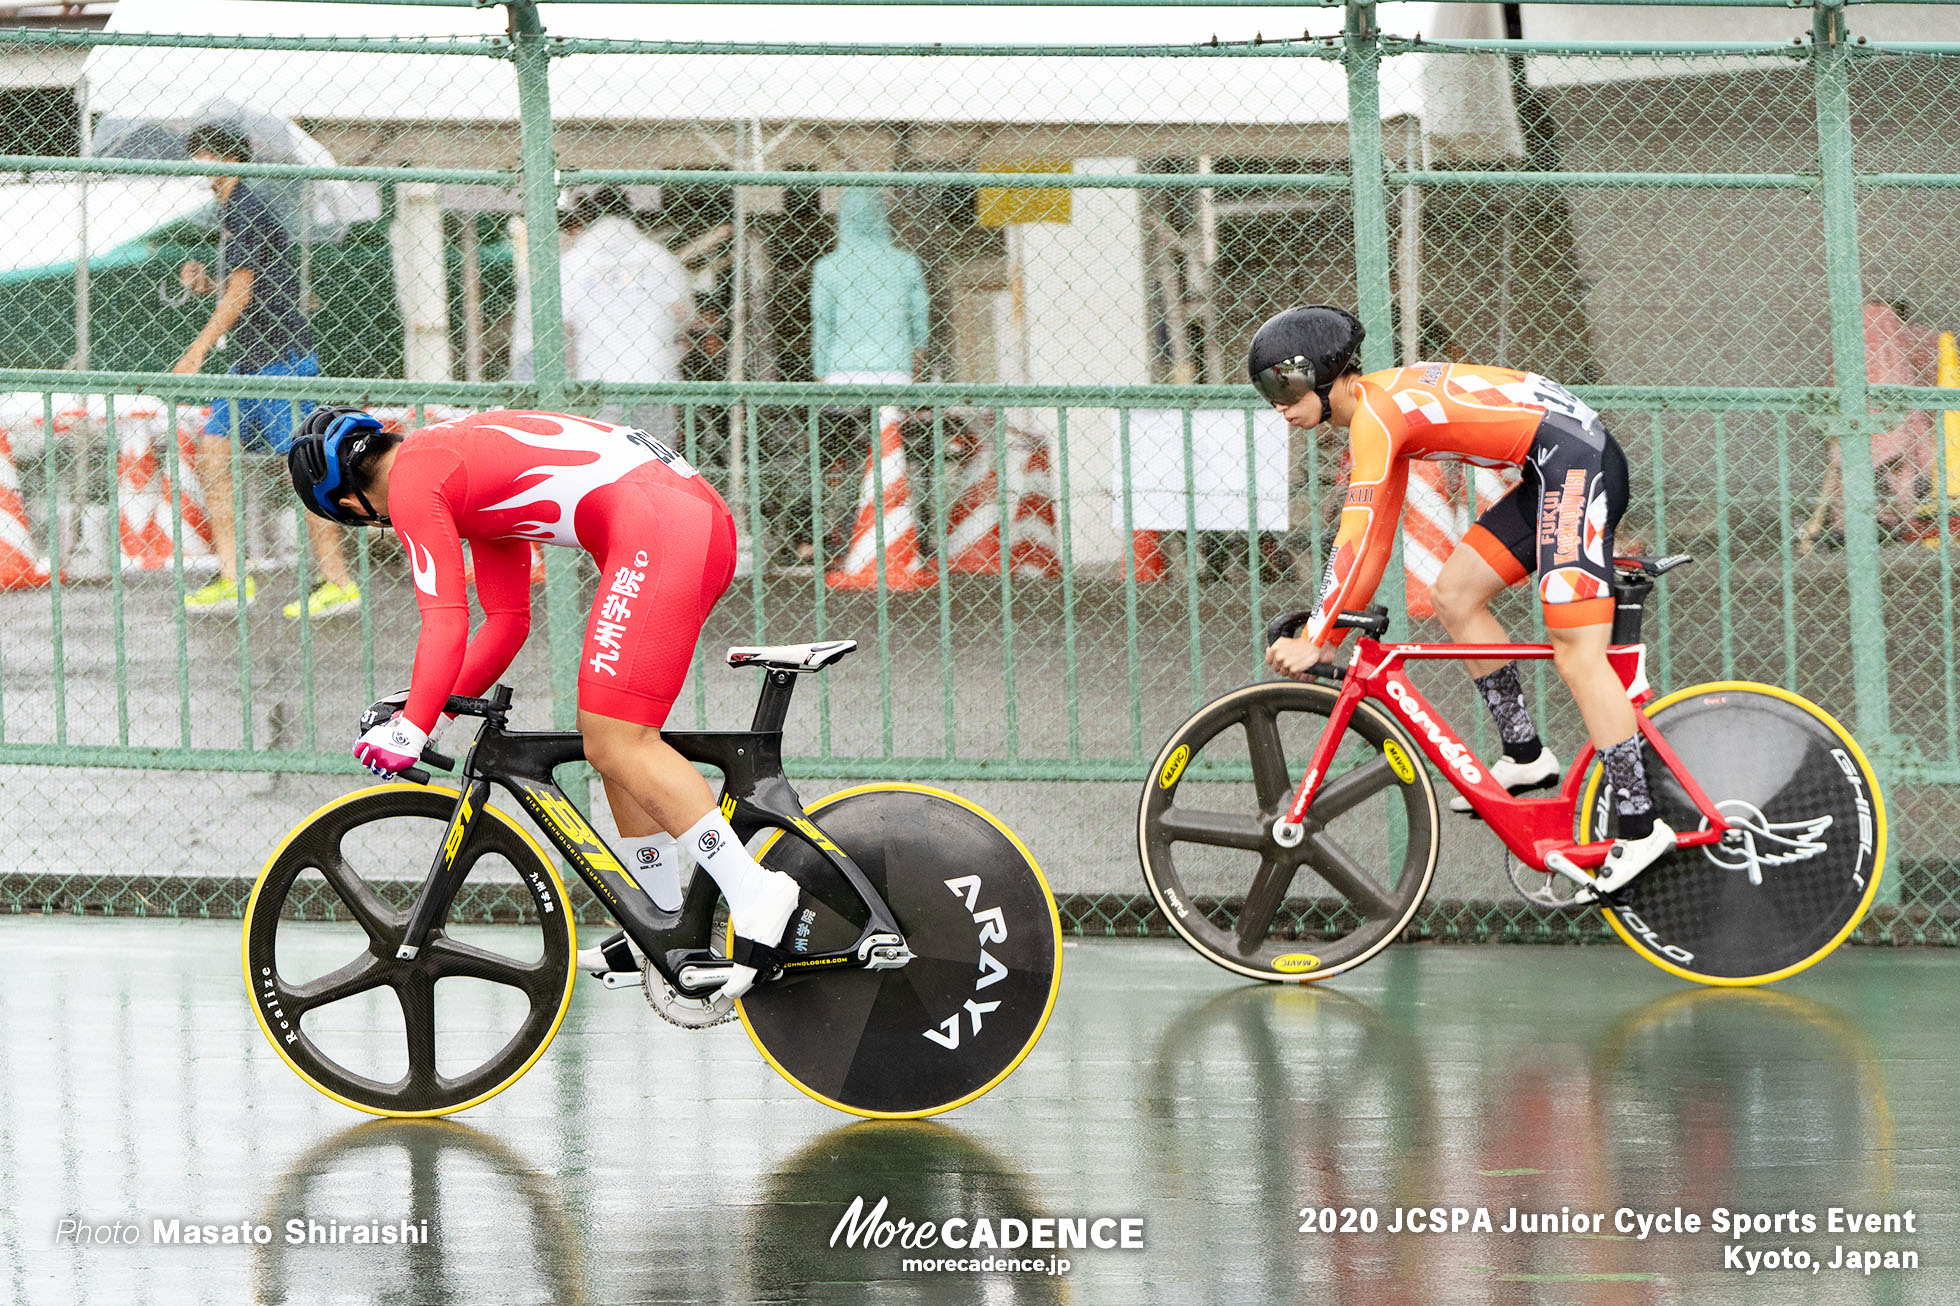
1878	844
1054	986
1421	777
245	953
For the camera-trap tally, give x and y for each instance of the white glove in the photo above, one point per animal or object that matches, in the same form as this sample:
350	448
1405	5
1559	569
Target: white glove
391	747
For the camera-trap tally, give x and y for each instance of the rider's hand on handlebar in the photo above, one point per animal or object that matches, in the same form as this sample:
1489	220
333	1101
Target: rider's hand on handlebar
383	710
1294	657
391	747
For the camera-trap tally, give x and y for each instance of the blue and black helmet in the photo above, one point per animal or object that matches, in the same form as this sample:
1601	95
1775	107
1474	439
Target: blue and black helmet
330	442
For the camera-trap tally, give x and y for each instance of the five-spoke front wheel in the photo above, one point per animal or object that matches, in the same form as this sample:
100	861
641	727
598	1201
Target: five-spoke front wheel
360	1023
1232	890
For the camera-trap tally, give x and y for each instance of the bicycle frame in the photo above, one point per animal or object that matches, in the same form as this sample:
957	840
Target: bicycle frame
755	795
1534	829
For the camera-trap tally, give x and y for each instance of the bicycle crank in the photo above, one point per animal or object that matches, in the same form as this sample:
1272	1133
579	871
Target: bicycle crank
676	1008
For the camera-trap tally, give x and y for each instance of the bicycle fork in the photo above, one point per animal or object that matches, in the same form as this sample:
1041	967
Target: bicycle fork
446	876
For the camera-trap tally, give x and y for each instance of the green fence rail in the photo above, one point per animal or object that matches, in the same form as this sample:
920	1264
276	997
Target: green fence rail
1737	250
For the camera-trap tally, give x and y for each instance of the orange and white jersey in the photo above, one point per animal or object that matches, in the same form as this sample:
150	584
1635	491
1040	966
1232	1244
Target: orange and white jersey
1439	412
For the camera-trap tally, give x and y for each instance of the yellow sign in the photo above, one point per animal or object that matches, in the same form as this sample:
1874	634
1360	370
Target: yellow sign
1950	378
1398	762
1174	766
1006	206
1293	963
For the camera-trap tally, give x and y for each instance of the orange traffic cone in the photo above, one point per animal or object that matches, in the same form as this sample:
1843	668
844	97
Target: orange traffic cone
973	525
19	569
858	569
1431	526
1151	564
142	515
973	520
189	496
1034	548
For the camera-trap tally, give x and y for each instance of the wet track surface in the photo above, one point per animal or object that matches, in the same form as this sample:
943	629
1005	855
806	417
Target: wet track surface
642	1163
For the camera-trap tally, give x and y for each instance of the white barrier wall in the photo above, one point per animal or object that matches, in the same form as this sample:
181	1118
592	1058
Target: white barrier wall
1084	310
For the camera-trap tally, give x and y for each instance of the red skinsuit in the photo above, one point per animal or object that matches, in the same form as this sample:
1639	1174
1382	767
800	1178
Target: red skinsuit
664	541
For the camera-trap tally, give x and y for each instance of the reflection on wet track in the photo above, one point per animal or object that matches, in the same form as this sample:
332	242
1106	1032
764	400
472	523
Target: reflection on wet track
1547	1087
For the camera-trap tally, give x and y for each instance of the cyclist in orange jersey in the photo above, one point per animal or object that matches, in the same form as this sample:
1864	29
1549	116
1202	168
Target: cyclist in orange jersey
1558	522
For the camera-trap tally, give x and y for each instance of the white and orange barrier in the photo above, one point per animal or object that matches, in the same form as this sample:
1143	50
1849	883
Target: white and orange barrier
858	568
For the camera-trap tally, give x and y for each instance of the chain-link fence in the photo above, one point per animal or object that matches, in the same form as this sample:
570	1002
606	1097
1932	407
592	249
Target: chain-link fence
1023	275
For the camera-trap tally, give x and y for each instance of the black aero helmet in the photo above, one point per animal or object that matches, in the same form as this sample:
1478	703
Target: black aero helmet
1304	349
331	440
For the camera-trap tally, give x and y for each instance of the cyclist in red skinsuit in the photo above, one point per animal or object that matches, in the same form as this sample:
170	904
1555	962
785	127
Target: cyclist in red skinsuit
1558	522
665	544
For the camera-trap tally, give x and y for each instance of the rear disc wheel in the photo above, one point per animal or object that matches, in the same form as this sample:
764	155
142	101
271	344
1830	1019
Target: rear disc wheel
986	957
1806	844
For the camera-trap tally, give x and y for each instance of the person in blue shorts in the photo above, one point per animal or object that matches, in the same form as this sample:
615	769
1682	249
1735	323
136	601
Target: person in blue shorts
258	308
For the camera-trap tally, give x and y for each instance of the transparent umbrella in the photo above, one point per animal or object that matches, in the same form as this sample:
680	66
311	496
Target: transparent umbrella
309	210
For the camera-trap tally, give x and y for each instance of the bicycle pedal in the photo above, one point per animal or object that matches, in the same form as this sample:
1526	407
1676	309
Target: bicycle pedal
1587	894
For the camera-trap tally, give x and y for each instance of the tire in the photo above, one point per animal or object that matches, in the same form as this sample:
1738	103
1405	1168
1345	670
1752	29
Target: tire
1795	783
986	940
379	906
1221	880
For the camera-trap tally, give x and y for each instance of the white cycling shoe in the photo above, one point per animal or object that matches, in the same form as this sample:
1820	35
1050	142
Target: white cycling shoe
1541	772
764	927
1626	859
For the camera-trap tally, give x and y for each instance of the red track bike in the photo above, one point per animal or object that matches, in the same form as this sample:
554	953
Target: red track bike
1291	875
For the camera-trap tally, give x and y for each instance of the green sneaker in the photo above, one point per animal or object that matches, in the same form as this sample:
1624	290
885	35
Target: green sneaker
328	600
218	594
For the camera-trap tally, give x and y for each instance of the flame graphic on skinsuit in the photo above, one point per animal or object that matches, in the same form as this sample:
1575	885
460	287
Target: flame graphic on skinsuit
562	487
422	564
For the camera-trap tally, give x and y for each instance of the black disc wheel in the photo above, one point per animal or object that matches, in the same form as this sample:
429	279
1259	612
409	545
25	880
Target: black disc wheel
424	1037
1806	840
986	958
1205	835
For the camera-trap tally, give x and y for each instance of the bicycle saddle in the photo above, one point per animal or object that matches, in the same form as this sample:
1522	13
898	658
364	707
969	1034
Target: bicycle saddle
792	657
1653	566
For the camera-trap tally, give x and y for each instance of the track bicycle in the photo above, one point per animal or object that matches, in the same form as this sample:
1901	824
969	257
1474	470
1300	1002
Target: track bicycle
924	957
1781	824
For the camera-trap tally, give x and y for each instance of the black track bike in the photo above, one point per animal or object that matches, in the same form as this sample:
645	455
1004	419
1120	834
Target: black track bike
924	957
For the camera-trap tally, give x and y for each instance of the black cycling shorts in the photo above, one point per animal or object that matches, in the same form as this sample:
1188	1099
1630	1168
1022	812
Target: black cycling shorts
1559	520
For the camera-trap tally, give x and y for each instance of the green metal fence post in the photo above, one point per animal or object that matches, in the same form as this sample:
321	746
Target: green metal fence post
538	159
1871	689
1367	164
1830	62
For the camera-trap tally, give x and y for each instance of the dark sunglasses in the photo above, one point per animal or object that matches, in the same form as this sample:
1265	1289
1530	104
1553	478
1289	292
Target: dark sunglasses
1285	383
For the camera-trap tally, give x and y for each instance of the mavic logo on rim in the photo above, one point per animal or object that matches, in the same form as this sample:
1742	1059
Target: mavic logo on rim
1754	841
1453	752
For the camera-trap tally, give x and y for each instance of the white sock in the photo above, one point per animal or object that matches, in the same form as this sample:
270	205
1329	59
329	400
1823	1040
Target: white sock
655	862
755	896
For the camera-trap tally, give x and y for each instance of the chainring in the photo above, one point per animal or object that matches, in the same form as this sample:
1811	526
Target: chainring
676	1009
